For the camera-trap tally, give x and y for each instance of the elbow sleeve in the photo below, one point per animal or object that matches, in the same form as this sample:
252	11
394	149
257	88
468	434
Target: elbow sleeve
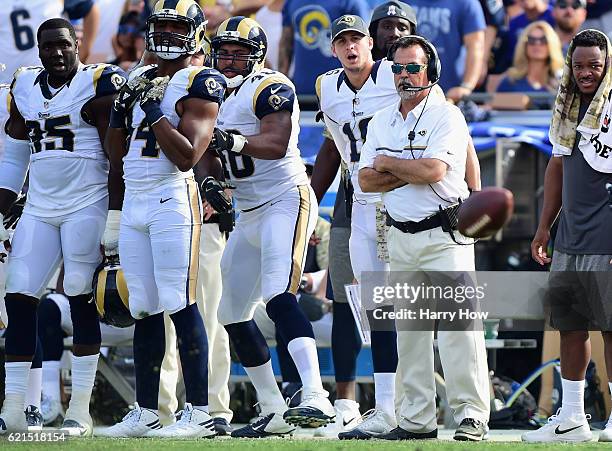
14	164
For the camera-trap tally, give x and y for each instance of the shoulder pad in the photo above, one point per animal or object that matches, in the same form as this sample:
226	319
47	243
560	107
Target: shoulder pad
274	93
108	79
206	83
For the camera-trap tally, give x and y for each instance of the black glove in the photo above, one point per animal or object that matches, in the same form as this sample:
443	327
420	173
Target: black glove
127	97
214	194
232	141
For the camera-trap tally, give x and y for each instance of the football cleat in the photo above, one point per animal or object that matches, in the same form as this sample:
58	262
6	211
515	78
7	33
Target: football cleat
270	425
471	430
75	428
347	417
315	410
194	423
51	409
222	426
374	423
34	419
606	434
561	429
137	423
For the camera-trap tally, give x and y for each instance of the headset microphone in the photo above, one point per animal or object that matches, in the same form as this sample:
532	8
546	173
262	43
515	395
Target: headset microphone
418	88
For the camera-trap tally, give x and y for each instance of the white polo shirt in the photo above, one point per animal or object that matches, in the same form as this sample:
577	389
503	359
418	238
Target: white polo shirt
441	132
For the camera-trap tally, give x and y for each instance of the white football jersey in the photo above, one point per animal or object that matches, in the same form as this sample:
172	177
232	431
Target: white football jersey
347	112
258	181
145	165
20	20
5	103
68	166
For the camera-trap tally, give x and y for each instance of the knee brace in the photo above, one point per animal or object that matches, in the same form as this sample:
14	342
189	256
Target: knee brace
20	335
249	343
290	320
85	322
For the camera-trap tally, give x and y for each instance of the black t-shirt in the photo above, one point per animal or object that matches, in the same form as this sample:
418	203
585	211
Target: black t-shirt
585	225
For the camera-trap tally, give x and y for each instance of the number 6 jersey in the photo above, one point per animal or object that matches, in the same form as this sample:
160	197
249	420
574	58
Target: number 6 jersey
258	181
68	166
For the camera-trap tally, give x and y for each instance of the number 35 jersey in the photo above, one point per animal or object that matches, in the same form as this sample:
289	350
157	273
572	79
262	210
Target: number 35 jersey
258	181
348	111
145	165
68	166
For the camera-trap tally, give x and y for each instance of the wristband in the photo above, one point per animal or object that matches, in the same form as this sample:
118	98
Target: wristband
153	112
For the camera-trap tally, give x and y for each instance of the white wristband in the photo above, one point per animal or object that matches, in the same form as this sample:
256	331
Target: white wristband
239	143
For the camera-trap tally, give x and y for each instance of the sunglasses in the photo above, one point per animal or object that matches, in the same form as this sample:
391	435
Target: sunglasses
533	40
577	4
411	68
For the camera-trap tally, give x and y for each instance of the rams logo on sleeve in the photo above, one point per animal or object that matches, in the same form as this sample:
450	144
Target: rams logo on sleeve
212	85
118	81
277	102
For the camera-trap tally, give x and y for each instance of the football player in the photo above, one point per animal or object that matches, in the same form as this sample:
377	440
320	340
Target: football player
161	124
256	137
58	117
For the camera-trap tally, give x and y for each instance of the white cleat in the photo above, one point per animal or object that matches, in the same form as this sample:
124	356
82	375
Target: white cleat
347	417
560	429
606	434
315	410
374	423
137	423
51	409
194	423
74	428
34	419
12	420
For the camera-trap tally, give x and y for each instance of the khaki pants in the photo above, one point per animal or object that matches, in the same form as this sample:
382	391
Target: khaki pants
208	295
463	354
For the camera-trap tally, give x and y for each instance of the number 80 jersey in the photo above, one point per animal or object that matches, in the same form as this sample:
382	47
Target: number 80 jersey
258	181
348	111
145	165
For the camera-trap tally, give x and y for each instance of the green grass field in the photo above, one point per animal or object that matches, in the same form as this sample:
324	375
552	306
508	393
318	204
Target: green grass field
96	444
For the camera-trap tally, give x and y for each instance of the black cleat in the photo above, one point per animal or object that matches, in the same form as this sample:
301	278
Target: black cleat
402	434
222	426
271	425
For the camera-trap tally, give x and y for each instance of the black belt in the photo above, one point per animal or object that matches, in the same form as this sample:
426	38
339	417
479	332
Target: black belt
415	226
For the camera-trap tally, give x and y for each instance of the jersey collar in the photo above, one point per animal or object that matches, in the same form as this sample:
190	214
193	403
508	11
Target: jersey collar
342	78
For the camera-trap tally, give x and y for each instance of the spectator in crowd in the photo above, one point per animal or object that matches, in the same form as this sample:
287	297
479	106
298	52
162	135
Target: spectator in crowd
451	25
390	21
569	16
217	11
538	62
599	16
128	43
110	14
495	16
305	43
270	17
533	10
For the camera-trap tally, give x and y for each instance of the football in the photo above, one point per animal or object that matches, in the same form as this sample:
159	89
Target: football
485	212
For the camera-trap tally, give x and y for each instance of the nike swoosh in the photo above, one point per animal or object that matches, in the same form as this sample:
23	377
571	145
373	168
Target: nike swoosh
565	431
347	422
163	201
274	91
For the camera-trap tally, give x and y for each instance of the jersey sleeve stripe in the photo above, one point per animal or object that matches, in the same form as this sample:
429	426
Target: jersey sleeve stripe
192	76
97	75
264	84
318	88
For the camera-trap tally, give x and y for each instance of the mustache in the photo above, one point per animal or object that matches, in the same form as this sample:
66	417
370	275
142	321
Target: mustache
405	83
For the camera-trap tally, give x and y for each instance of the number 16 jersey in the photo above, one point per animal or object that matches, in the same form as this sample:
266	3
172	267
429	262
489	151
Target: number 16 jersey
347	112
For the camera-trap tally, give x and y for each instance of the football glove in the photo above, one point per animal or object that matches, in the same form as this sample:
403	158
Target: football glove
4	234
214	193
110	239
232	141
151	100
126	99
14	213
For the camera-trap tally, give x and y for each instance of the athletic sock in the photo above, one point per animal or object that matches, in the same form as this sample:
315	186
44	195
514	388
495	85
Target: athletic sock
268	394
51	379
83	376
303	351
572	403
384	392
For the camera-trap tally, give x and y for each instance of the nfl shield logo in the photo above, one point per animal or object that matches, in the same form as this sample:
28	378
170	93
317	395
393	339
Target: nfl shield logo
46	104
